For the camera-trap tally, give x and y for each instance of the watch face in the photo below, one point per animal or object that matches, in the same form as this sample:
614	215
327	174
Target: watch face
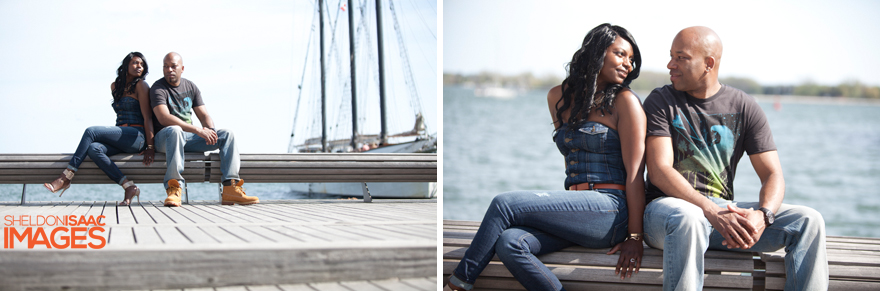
768	216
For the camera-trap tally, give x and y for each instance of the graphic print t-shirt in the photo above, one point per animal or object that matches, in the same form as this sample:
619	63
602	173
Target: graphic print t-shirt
180	100
708	136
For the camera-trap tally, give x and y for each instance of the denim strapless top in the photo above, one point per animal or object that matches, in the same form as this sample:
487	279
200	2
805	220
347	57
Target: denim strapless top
128	111
592	154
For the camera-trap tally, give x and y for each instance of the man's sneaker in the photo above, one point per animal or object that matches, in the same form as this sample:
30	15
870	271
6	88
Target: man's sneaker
173	192
235	194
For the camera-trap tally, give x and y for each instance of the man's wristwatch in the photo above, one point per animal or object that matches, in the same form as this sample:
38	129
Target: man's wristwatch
769	217
635	236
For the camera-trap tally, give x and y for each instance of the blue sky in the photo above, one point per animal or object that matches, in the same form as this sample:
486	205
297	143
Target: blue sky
773	42
58	59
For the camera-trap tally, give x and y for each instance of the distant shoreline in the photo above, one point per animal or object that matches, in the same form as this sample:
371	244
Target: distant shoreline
816	99
803	99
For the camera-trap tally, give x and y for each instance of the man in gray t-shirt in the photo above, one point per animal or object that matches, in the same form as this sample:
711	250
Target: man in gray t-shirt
174	99
698	129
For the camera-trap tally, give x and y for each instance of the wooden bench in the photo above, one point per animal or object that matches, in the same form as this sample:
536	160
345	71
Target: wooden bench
580	268
255	168
853	264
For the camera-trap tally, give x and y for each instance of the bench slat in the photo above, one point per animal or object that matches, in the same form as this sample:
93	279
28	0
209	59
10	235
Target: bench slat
259	168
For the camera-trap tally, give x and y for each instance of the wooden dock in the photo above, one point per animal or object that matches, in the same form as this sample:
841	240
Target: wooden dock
274	243
416	284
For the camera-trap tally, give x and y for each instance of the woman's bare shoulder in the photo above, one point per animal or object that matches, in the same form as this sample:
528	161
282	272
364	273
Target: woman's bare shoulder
554	94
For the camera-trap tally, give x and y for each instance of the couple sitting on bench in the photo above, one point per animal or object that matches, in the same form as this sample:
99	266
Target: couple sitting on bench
173	99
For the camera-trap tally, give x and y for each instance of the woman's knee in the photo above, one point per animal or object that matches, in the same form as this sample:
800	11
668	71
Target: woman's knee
95	150
91	131
511	242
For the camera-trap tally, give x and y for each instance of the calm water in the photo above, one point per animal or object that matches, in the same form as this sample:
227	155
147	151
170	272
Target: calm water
830	155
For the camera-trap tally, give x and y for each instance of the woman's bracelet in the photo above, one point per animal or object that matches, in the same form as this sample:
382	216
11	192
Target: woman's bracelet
150	147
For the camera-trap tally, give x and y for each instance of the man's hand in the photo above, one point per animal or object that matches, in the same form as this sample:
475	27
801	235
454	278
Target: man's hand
208	134
754	219
738	232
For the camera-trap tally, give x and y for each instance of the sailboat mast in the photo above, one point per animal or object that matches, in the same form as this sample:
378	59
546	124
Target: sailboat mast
383	134
354	123
323	81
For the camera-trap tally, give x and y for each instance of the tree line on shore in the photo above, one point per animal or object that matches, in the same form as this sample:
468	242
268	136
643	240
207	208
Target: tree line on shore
647	81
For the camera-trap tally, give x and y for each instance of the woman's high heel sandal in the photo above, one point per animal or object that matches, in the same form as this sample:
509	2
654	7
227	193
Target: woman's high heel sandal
130	191
63	182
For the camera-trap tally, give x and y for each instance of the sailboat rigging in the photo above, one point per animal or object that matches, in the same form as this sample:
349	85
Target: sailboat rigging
347	92
360	98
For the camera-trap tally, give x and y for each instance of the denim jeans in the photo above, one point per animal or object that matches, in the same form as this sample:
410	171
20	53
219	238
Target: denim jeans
173	141
101	142
520	225
684	234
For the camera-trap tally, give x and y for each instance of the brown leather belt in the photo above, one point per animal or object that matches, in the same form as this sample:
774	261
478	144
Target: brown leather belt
128	124
593	186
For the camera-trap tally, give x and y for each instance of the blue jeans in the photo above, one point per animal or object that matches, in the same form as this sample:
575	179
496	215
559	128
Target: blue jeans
173	141
684	234
520	225
101	142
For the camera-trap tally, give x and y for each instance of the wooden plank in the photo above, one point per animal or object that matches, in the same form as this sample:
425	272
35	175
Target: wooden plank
140	214
173	213
196	235
271	235
155	214
420	230
171	235
335	235
109	213
307	213
146	235
328	286
299	236
406	284
302	230
246	235
244	172
263	288
221	235
229	213
125	216
120	236
563	257
295	287
597	274
282	213
834	271
332	178
60	165
368	286
425	283
204	214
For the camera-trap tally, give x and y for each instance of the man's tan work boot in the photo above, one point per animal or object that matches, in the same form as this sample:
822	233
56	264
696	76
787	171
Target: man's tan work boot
173	192
234	193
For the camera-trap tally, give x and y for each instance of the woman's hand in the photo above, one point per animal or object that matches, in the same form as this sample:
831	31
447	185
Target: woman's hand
148	154
630	260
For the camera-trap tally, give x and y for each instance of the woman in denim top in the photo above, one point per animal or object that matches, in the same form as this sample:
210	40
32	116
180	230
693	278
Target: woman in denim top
133	131
600	129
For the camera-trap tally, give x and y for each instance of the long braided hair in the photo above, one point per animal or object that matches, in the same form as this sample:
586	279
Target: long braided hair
120	87
579	87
